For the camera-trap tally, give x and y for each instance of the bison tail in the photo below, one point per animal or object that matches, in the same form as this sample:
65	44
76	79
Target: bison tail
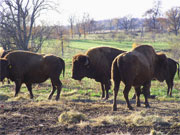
62	63
178	68
115	71
63	67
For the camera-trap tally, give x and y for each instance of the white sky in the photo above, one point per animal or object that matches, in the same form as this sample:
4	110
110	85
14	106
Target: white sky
103	9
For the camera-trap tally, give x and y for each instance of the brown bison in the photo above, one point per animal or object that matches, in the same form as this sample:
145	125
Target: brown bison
95	64
172	68
137	68
5	52
27	67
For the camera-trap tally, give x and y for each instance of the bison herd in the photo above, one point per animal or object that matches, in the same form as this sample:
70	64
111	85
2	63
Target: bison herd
135	68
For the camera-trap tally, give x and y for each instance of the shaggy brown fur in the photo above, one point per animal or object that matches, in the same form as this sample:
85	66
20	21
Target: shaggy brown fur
173	67
5	52
95	64
27	67
137	68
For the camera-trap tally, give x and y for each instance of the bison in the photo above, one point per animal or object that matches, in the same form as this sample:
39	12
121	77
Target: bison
5	52
28	67
137	68
95	64
173	67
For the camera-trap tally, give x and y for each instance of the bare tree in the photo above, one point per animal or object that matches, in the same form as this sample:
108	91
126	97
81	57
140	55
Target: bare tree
163	24
115	23
110	25
61	31
78	27
128	23
85	23
91	26
71	20
153	14
18	22
173	16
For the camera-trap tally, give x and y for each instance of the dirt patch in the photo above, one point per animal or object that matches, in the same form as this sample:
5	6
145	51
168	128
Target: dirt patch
28	117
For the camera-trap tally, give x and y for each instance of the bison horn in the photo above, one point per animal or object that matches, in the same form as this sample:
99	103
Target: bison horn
86	62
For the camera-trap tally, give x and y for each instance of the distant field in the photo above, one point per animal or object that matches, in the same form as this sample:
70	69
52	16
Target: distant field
124	45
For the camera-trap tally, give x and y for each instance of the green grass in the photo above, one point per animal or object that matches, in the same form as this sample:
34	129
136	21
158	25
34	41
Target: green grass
124	45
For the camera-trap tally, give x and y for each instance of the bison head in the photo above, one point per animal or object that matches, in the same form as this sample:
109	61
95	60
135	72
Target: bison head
80	65
161	68
3	69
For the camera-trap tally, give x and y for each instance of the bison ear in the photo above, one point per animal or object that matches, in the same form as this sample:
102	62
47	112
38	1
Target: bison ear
84	60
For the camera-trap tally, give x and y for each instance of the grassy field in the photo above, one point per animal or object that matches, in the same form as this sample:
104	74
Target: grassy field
89	86
81	109
124	45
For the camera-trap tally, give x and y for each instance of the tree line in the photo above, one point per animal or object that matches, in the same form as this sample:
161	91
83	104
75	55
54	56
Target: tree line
18	29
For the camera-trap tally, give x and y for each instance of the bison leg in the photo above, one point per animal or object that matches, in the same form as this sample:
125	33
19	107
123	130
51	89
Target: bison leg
170	87
126	93
138	92
18	86
52	91
107	87
59	86
103	91
29	86
146	89
57	83
116	89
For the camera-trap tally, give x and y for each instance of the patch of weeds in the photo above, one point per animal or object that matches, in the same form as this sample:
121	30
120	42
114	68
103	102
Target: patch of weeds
83	124
101	121
167	98
4	97
69	93
154	132
176	125
71	117
95	94
20	97
143	119
41	97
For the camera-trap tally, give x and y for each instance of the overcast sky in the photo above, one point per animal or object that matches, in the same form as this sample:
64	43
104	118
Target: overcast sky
103	9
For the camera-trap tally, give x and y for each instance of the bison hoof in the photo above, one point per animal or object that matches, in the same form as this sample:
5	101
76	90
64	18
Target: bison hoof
106	98
114	109
147	105
152	96
130	108
102	97
57	99
138	105
134	97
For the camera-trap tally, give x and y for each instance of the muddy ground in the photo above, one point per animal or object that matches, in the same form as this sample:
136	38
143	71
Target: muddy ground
41	118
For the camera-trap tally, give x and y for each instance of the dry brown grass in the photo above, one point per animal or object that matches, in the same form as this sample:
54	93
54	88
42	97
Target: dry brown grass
71	117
